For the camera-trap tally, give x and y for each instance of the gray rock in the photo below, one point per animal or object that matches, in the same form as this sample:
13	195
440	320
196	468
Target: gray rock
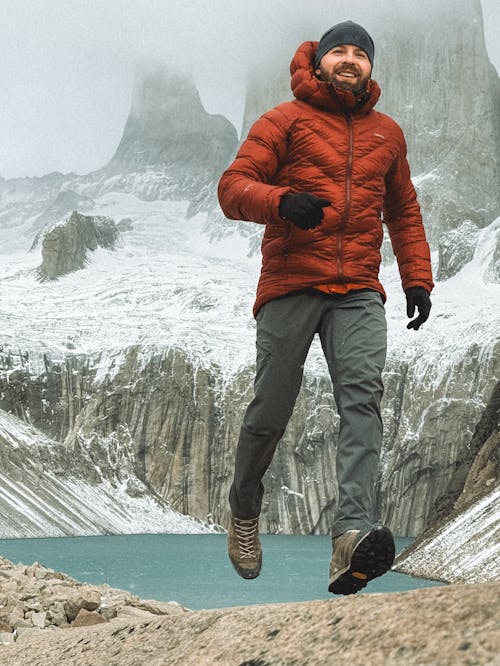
126	224
461	544
65	248
24	633
492	273
56	614
5	625
6	638
109	612
39	619
86	618
87	598
170	137
15	616
456	248
22	624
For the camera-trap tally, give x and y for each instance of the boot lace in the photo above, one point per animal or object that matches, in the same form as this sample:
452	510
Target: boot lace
246	532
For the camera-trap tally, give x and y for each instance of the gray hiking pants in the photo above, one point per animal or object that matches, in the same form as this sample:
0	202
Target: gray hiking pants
353	333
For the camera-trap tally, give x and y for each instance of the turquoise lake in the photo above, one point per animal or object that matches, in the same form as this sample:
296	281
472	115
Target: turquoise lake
194	569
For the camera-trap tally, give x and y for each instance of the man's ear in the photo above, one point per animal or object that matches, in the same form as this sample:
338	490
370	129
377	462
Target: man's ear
317	71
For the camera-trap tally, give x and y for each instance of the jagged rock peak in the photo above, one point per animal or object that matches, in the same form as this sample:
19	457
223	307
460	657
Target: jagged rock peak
65	247
168	127
157	90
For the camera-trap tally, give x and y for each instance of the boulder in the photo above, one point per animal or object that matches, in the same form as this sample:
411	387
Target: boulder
5	626
86	598
24	633
87	618
39	619
65	247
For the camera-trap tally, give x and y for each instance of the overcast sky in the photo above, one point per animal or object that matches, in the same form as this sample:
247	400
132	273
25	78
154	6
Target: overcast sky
67	66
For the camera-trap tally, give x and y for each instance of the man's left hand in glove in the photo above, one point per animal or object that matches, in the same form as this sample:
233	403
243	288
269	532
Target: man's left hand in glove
417	297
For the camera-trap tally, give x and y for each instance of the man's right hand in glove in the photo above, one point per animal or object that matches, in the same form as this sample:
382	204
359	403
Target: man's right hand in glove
304	210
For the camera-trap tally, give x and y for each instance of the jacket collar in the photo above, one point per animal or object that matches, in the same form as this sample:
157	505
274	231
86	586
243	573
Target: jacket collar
307	87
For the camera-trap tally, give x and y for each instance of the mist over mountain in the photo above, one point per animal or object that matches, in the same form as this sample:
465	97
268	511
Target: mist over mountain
440	86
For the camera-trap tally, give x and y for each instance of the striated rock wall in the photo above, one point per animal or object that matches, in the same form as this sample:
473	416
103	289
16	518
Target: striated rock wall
456	248
88	487
478	466
181	420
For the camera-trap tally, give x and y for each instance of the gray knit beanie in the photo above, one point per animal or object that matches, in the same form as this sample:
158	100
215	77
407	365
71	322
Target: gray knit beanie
347	32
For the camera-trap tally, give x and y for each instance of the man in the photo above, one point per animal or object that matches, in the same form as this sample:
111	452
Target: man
321	172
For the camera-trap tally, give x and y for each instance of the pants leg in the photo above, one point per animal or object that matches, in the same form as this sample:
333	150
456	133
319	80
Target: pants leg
354	339
285	330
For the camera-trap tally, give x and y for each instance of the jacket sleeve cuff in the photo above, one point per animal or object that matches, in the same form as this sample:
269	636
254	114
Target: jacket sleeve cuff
428	286
273	200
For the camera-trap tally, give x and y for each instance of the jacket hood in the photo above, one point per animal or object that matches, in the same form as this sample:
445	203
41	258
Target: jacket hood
307	87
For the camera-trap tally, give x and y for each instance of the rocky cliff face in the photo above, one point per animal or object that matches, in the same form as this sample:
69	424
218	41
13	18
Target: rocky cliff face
146	364
462	544
449	107
176	421
171	147
479	467
50	488
64	203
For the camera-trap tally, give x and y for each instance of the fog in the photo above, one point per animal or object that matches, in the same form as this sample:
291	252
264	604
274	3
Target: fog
67	68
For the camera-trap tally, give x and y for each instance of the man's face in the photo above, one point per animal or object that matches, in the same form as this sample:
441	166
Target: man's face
347	67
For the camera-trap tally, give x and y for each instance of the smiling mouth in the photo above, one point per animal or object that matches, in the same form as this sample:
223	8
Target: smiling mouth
350	75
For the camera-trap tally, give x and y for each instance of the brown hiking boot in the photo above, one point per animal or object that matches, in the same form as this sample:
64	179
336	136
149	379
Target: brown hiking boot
356	561
243	546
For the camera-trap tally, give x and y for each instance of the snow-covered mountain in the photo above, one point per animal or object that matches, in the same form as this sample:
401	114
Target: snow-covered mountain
46	490
155	338
171	148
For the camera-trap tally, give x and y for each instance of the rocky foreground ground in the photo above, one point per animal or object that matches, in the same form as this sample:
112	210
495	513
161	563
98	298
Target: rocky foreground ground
47	619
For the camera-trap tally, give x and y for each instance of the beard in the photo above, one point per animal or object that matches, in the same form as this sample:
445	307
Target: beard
356	86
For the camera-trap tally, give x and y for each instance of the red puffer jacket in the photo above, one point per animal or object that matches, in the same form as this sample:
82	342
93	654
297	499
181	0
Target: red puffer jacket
327	143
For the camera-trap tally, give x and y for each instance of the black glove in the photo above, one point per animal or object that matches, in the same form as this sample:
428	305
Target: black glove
419	297
304	210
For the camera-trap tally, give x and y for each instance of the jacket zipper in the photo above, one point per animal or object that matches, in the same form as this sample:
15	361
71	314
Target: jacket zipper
348	183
